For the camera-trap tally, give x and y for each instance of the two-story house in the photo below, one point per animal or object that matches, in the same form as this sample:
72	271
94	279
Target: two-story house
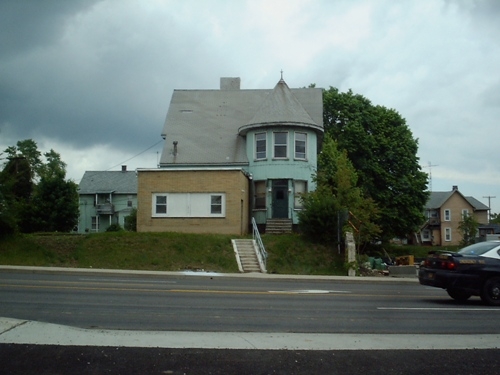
105	198
231	155
444	211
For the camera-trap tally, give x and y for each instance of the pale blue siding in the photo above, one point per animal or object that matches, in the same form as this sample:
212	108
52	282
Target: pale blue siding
288	168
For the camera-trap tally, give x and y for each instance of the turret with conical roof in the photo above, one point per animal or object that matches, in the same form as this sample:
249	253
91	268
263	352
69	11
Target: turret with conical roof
281	107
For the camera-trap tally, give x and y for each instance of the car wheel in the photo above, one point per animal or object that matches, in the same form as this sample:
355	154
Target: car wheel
490	293
458	294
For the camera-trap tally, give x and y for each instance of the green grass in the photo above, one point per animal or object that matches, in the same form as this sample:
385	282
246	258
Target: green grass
288	254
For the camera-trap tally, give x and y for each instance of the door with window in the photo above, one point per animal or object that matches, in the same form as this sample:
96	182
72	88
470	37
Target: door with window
280	199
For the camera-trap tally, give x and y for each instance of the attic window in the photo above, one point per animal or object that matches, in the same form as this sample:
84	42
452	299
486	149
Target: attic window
186	111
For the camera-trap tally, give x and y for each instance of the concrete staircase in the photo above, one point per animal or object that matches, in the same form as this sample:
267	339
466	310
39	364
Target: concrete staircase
246	255
278	226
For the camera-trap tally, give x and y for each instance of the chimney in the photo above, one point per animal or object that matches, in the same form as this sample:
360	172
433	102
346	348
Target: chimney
455	187
124	168
230	83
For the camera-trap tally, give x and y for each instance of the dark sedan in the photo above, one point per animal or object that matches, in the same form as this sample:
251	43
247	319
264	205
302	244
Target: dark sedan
472	271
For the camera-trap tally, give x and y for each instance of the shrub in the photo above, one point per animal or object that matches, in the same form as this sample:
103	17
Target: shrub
114	228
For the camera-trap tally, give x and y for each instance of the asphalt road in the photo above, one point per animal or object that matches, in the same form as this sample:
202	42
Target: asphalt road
239	304
194	311
40	360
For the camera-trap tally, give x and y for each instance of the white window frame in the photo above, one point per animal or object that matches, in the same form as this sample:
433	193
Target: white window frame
465	213
298	142
447	234
426	235
155	205
447	215
94	223
189	205
216	206
257	152
280	145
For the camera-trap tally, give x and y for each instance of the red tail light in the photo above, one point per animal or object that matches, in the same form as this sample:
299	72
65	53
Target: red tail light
448	265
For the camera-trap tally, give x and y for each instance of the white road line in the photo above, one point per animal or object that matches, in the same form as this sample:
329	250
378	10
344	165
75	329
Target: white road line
440	308
307	291
129	281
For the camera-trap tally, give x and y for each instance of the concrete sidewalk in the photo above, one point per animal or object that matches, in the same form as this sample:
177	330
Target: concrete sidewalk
404	275
14	331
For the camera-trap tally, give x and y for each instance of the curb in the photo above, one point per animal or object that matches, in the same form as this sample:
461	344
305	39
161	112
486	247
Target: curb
256	275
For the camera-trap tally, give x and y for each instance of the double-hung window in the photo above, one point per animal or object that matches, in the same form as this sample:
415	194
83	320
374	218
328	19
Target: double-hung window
95	223
160	204
260	195
300	145
300	188
260	146
280	145
447	234
447	215
216	204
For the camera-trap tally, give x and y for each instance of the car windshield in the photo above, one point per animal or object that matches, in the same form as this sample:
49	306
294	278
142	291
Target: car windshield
479	248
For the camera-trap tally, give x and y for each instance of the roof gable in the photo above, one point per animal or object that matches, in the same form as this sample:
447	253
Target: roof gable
438	198
205	123
116	182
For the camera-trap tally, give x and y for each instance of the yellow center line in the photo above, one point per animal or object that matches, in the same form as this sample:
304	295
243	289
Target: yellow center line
205	291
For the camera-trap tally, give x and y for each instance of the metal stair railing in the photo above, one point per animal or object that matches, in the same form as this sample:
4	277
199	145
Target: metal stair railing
256	237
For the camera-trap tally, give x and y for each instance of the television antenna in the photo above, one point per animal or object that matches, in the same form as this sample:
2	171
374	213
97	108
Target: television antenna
430	165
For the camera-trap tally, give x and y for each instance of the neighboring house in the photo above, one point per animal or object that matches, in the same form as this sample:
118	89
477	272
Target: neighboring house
444	211
231	155
106	197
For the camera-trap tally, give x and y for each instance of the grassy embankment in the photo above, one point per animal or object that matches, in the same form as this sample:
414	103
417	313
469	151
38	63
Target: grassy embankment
288	254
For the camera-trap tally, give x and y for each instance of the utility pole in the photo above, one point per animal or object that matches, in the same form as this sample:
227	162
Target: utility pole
489	205
430	165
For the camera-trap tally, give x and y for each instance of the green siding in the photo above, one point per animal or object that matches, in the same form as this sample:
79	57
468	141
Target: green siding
288	169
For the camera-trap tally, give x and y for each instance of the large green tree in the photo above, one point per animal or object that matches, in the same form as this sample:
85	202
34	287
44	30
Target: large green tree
27	149
16	188
56	200
35	196
338	203
383	152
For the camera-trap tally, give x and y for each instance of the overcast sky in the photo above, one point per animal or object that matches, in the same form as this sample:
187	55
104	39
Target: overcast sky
93	79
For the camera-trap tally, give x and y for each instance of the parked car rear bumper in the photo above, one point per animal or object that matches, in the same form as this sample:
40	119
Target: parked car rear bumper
449	279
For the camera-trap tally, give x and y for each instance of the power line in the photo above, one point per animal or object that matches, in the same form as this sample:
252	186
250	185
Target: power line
140	153
136	155
489	205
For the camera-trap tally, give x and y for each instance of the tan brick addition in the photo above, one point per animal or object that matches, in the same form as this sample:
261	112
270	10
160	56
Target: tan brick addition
233	183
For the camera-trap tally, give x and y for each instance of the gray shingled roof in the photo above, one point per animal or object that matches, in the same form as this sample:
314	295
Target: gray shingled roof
477	204
438	198
205	123
116	182
281	107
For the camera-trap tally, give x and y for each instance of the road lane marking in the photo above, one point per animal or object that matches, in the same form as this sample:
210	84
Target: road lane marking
127	281
307	291
440	308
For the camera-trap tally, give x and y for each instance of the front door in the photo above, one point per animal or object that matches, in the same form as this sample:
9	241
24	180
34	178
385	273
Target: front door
280	199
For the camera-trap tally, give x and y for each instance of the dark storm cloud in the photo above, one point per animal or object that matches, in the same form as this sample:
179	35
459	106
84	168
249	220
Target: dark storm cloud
93	79
26	24
96	75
